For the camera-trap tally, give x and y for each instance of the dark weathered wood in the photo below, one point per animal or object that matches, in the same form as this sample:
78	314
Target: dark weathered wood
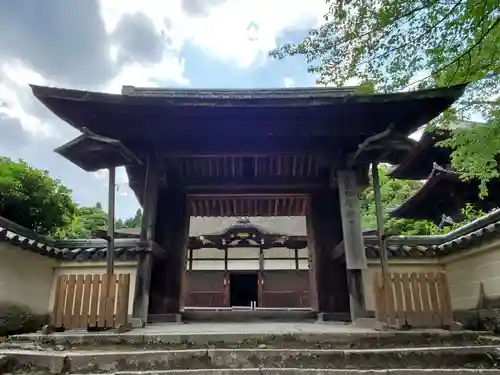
312	262
110	254
148	225
325	232
248	205
172	234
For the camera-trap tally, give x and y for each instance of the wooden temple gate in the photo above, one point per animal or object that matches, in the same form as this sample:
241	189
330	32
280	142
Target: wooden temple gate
294	152
413	300
82	301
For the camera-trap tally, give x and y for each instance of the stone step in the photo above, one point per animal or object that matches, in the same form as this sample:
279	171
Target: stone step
160	340
301	371
73	362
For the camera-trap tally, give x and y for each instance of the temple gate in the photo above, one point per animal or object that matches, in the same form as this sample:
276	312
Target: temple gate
284	152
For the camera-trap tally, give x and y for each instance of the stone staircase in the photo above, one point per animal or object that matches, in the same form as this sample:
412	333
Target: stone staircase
395	353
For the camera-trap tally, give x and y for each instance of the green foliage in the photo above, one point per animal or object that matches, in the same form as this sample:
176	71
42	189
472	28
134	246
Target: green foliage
133	222
393	193
85	222
392	45
31	198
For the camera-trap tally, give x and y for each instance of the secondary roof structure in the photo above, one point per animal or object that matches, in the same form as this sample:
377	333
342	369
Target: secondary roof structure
444	192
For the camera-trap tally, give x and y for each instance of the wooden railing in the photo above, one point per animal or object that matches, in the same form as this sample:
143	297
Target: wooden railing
413	300
82	301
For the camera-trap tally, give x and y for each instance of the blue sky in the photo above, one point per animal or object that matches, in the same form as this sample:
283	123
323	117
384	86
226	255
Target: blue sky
102	45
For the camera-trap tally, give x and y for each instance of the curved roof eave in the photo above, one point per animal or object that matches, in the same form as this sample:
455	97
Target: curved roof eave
437	174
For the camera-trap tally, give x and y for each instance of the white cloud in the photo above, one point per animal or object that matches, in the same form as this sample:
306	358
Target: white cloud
170	69
241	31
288	82
15	77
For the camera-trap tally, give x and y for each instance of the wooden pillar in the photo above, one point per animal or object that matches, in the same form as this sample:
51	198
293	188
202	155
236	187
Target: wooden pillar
312	260
145	261
260	280
172	235
350	209
324	233
226	286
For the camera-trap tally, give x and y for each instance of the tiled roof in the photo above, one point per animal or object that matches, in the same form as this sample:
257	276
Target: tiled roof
482	235
67	249
128	248
401	251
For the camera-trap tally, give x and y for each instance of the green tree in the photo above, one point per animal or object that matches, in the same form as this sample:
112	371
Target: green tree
393	193
85	223
31	198
132	222
394	45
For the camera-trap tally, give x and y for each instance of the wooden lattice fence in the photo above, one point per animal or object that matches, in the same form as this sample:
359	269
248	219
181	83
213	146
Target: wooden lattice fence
81	301
413	300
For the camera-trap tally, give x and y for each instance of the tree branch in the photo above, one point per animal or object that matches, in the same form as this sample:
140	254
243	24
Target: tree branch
411	41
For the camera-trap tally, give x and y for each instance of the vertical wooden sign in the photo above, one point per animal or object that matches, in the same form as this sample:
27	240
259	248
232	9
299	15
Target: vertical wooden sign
350	209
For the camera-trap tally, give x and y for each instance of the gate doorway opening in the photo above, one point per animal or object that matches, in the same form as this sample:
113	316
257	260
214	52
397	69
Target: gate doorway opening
243	289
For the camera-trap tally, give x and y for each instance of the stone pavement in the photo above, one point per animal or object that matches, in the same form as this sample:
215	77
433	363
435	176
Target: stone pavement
240	328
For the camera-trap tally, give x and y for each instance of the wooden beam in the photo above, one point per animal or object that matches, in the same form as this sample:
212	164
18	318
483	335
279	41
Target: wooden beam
259	186
239	145
379	213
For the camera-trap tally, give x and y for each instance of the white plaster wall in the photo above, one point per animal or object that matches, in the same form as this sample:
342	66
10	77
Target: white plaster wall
206	265
279	252
243	265
403	265
466	271
208	253
279	264
95	268
25	278
243	258
243	252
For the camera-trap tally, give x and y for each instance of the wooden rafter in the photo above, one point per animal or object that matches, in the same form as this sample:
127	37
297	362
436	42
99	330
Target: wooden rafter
239	167
248	205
